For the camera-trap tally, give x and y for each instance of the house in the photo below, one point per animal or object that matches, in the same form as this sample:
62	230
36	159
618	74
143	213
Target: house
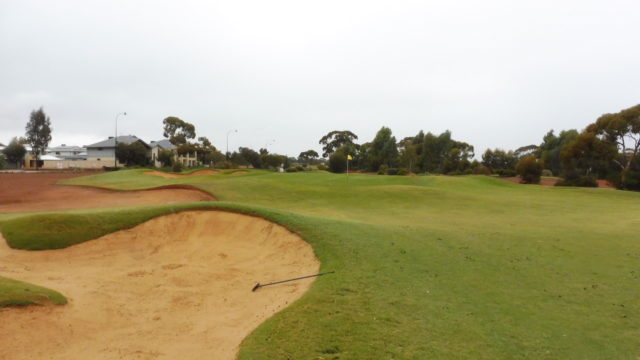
103	153
72	153
187	160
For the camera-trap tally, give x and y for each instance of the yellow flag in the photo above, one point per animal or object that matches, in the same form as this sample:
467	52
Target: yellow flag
349	157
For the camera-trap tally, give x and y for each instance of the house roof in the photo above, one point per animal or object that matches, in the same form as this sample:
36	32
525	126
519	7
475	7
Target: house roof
49	157
110	142
164	143
64	147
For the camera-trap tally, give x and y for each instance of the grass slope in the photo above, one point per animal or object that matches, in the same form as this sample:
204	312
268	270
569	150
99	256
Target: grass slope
18	293
444	267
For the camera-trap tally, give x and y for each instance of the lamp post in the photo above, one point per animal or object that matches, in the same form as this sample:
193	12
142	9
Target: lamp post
229	132
115	148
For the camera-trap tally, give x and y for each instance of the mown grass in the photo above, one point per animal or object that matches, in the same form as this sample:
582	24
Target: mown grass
443	267
18	293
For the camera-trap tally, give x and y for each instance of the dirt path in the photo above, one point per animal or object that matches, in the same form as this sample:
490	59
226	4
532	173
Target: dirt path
21	192
175	287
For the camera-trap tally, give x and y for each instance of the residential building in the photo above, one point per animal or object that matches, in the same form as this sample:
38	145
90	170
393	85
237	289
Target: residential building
187	160
103	153
67	152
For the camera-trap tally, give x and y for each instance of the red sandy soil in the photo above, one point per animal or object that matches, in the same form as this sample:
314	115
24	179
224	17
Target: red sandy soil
31	191
175	287
239	172
548	181
176	176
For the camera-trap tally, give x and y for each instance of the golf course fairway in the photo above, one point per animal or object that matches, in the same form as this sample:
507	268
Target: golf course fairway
437	267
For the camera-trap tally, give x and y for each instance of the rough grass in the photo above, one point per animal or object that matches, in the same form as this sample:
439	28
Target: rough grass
443	267
18	293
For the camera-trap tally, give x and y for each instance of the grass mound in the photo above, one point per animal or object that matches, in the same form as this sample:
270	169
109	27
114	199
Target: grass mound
18	293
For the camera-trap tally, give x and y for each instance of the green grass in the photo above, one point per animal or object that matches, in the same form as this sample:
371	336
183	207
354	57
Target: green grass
441	267
18	293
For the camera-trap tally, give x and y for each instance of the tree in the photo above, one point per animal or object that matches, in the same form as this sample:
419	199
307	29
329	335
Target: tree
165	157
623	130
408	150
274	160
15	152
132	154
251	156
383	151
204	148
588	155
307	156
550	151
499	159
38	131
335	140
529	169
177	130
338	161
214	157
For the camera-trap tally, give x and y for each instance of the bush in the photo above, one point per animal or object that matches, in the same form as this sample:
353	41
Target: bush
547	173
578	180
506	172
403	171
631	181
291	169
322	167
337	162
529	169
177	167
392	171
482	170
382	170
299	168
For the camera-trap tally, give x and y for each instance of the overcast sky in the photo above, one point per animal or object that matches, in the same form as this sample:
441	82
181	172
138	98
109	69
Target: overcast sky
495	73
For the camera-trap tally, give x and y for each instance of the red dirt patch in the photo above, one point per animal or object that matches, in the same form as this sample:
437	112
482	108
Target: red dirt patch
30	191
176	176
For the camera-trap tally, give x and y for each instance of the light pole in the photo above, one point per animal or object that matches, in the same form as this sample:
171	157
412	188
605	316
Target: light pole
115	148
229	132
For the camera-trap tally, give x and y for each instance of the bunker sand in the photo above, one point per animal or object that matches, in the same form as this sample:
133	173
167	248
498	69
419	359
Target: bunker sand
39	192
177	176
175	287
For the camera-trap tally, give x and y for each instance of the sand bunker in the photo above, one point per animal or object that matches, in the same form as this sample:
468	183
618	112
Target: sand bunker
175	287
39	192
176	176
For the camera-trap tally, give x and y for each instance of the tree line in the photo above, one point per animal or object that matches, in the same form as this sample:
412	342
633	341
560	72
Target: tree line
606	149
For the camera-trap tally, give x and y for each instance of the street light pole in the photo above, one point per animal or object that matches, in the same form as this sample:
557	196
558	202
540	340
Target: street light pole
229	132
115	148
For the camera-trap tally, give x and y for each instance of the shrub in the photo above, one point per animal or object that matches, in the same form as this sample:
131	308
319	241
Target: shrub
291	169
392	171
547	172
177	167
506	172
382	170
337	162
631	181
573	179
300	168
403	171
529	169
322	167
482	170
